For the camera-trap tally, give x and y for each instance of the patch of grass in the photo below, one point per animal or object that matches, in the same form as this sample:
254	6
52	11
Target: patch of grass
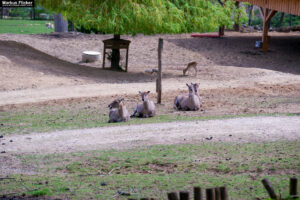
156	170
23	26
46	120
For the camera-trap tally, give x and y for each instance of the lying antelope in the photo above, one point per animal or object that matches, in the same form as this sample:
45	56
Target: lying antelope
146	108
49	25
189	66
118	111
190	101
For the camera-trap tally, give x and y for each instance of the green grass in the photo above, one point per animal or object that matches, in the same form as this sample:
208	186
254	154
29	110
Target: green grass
23	26
45	120
156	170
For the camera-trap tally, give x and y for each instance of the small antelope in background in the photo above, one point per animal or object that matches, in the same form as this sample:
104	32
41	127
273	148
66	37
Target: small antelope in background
146	108
118	111
190	101
189	66
49	25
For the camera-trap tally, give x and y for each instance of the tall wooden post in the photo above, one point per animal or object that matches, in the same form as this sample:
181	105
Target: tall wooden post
267	16
159	75
60	25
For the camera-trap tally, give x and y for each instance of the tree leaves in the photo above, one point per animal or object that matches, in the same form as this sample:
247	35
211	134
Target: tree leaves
144	16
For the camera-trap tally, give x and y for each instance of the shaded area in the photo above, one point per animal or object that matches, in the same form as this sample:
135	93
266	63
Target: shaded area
284	54
28	57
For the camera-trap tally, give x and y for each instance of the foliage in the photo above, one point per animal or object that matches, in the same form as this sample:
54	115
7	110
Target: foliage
145	16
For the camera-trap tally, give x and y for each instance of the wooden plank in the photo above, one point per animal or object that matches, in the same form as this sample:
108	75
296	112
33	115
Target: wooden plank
287	6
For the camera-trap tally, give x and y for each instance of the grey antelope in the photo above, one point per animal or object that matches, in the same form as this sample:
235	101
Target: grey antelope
118	111
190	101
189	66
146	108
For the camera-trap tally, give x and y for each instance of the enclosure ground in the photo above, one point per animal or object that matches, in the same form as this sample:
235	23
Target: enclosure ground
154	171
45	88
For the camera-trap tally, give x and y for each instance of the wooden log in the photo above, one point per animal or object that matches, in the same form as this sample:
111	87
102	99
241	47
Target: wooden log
197	193
184	195
224	193
217	194
210	194
172	196
268	186
159	75
145	199
293	187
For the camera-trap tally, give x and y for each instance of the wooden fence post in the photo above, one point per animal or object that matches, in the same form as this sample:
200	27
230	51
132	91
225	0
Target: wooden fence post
210	194
184	195
218	193
269	188
197	193
172	196
224	193
293	187
158	80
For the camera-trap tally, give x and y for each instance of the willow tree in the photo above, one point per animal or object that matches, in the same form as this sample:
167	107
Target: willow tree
148	17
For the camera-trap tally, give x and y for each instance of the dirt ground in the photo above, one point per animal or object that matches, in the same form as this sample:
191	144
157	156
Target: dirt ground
46	68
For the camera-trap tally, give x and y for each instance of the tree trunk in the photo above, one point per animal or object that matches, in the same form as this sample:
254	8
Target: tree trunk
291	20
281	20
60	24
115	56
2	12
250	15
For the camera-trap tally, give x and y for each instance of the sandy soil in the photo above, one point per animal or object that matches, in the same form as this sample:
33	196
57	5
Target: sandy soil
48	69
251	129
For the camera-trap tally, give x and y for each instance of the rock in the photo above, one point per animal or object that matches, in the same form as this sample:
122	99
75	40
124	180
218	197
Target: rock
1	136
103	184
3	152
10	140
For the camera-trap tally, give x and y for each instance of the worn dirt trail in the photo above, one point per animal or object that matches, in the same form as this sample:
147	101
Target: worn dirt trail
250	129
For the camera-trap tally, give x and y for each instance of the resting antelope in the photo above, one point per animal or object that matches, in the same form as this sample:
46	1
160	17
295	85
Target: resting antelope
118	111
190	101
146	108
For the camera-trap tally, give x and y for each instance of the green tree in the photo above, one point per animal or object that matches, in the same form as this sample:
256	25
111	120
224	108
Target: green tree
144	16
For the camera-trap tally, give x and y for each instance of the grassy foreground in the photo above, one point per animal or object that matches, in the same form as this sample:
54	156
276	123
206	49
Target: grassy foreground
156	170
23	26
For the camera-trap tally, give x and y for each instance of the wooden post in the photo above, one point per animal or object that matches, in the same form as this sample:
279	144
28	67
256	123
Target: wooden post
127	50
293	187
218	194
224	193
184	195
210	194
197	193
172	196
104	55
268	186
158	80
267	16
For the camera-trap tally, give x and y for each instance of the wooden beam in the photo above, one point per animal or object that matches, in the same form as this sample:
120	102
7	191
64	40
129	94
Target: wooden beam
261	11
270	15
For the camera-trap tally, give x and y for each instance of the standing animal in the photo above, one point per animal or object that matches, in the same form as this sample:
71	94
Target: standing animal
189	66
190	101
118	111
146	108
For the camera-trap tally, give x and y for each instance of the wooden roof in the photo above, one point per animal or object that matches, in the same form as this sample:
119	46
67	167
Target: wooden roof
287	6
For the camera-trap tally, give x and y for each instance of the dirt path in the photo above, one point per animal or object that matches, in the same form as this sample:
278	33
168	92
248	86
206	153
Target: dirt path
251	129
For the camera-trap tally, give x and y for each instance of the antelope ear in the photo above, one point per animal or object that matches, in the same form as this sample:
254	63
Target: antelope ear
121	99
187	85
140	92
148	92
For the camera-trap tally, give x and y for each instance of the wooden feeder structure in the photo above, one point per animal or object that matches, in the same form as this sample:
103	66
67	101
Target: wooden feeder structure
268	8
116	44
